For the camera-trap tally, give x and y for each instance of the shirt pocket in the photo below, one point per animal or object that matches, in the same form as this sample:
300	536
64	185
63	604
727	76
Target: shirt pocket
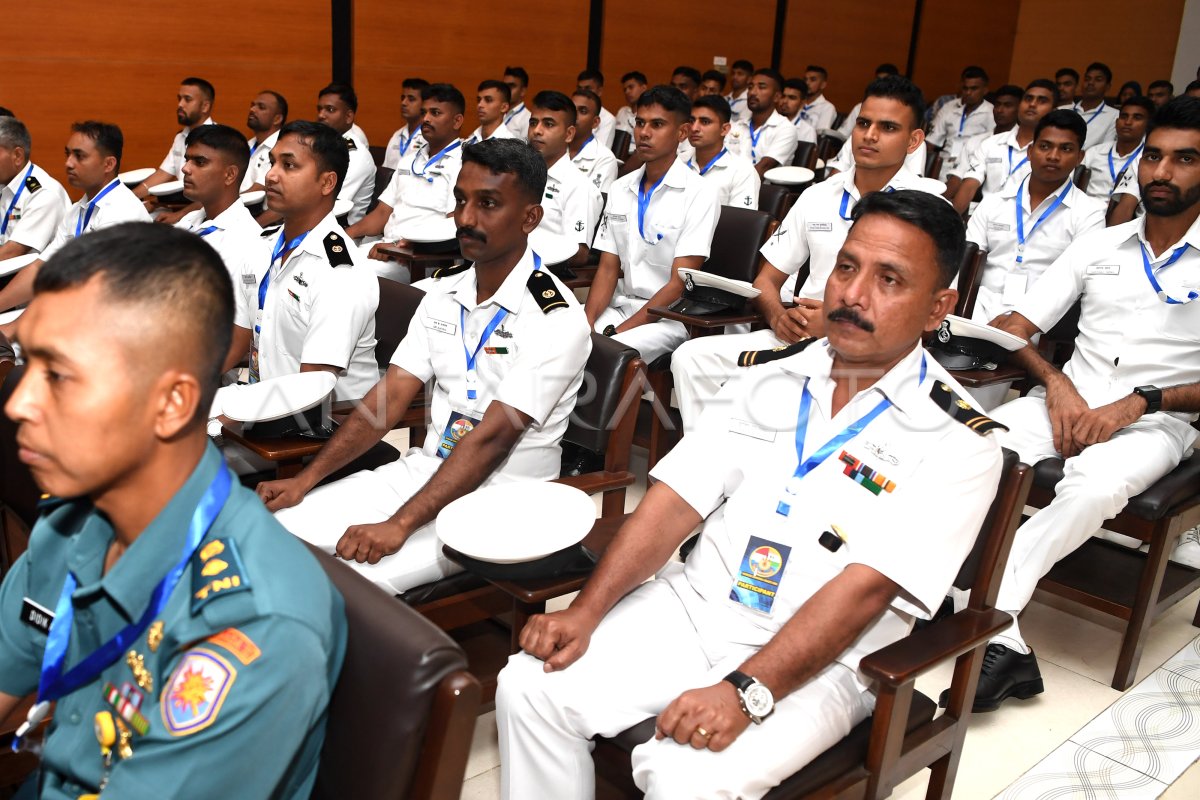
662	239
1180	321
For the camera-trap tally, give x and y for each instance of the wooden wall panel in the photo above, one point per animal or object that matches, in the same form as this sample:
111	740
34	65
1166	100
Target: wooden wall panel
847	38
122	62
655	38
958	33
1137	42
463	43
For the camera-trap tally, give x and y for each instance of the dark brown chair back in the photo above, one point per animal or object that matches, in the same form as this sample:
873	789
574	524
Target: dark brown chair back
397	306
18	493
620	145
739	234
1082	176
771	199
403	711
828	146
383	176
806	155
933	163
601	403
378	152
970	274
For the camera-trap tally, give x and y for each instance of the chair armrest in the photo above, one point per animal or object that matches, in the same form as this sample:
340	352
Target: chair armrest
287	448
596	482
904	661
979	378
707	321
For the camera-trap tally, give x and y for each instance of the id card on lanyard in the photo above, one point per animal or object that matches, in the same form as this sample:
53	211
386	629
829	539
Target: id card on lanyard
283	248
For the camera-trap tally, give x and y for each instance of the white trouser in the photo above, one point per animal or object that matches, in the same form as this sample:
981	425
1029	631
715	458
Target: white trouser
1096	485
392	270
645	653
372	496
652	340
702	366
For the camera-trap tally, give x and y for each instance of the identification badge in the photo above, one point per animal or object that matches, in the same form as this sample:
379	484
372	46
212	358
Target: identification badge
36	616
248	279
457	427
999	226
1015	284
820	227
441	326
994	160
615	218
1104	269
761	570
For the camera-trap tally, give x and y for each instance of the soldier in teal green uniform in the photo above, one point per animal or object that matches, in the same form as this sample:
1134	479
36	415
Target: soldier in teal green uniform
190	642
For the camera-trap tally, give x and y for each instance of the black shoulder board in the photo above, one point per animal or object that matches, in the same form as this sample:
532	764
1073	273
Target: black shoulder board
544	292
336	252
962	411
350	145
749	358
32	184
446	272
271	231
48	503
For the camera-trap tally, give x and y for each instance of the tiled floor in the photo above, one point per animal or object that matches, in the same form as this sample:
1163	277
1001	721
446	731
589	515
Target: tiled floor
1081	738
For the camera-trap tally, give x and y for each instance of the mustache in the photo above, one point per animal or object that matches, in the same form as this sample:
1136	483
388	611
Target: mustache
846	314
471	233
1163	185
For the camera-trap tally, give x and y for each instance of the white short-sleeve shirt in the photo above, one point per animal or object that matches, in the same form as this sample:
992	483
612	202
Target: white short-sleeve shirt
776	139
116	205
420	192
805	132
739	109
33	206
173	163
734	470
606	128
1108	167
314	312
820	113
233	233
597	162
1101	123
956	131
260	161
570	208
533	361
517	121
402	142
995	162
359	185
501	132
680	219
993	227
734	177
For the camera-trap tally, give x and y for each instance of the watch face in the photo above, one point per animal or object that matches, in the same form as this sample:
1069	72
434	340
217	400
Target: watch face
759	701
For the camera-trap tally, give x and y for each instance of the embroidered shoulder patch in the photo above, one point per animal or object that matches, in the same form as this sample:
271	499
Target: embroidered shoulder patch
239	644
216	570
196	691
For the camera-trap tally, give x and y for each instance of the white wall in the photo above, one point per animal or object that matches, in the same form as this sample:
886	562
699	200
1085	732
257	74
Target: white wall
1187	53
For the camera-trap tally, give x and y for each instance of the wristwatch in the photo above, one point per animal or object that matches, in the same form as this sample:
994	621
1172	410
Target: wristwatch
757	701
1153	397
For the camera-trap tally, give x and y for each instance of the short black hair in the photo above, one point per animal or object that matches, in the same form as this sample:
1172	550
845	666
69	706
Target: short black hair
551	100
936	218
519	73
591	96
1144	103
795	83
448	93
640	77
887	68
1064	119
1137	87
499	86
1101	67
819	69
669	98
691	73
327	146
206	88
1009	90
714	75
1161	84
591	75
108	137
6	112
774	75
900	89
742	64
1182	113
715	102
1043	83
514	157
1070	73
225	140
345	92
280	101
161	268
1193	86
974	72
414	83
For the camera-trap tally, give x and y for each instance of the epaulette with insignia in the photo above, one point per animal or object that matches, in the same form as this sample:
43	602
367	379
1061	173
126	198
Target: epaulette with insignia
216	571
271	231
963	411
544	292
749	358
336	252
350	145
47	503
32	184
446	272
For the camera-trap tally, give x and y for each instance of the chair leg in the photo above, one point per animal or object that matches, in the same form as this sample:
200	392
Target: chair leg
613	504
887	740
1144	607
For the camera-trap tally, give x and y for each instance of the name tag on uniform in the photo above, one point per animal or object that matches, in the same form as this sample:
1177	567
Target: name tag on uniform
999	226
36	616
614	218
757	581
248	279
744	428
820	227
995	161
441	326
1104	269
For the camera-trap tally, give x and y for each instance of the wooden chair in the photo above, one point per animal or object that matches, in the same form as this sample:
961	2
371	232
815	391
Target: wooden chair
383	176
903	736
1081	177
828	145
377	154
970	275
933	162
771	198
806	155
420	260
620	145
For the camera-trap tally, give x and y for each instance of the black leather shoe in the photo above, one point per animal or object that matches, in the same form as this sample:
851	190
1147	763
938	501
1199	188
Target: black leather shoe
579	461
1005	673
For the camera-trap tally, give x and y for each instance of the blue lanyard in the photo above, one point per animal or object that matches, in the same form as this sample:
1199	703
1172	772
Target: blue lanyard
804	111
1023	162
1045	214
586	142
520	107
281	248
709	165
487	332
1096	113
1166	298
962	121
82	221
13	204
805	466
441	154
404	142
845	202
754	137
206	231
644	202
53	684
1112	167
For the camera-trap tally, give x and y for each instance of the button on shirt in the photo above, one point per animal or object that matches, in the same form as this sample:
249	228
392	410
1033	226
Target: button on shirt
819	113
814	231
533	361
955	134
1127	336
359	185
932	460
119	205
598	163
1101	123
402	143
570	210
993	227
776	139
680	220
36	215
1102	183
733	176
286	626
420	193
314	313
237	238
173	163
995	162
260	161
